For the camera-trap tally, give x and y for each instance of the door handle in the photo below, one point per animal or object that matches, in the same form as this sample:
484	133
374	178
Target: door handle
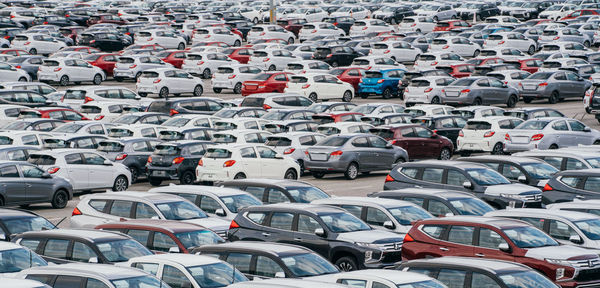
28	185
580	197
444	249
297	239
479	255
266	234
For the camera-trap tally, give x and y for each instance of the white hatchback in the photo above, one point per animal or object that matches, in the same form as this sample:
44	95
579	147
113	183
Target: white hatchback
37	43
322	86
65	71
165	81
485	134
164	38
232	76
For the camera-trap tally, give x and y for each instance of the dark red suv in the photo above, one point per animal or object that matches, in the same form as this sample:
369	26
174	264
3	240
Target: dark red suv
503	239
418	141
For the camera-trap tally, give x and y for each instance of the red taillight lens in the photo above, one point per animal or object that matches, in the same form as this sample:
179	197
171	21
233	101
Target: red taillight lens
537	137
389	178
461	133
489	134
305	86
99	117
380	81
465	91
266	59
228	163
543	84
76	212
428	90
386	51
336	153
149	159
177	160
507	137
157	81
173	112
233	225
556	38
19	67
313	31
329	56
121	156
132	66
53	170
501	42
200	63
289	151
87	99
231	76
434	63
27	43
408	238
445	47
266	107
547	187
200	162
57	69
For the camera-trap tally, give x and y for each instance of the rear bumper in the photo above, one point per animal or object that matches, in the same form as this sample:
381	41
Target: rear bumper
223	84
512	148
209	175
474	146
325	166
535	94
162	173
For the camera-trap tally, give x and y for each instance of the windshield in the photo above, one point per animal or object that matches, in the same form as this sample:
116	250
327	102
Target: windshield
532	125
487	177
180	210
306	194
122	250
136	282
309	264
236	202
364	109
226	113
408	214
591	228
343	222
21	225
215	275
274	115
529	237
176	122
594	162
167	150
15	260
198	238
527	279
471	206
540	170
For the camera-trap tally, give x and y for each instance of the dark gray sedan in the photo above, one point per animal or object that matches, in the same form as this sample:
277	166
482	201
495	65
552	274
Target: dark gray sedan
569	185
478	91
131	152
351	154
553	85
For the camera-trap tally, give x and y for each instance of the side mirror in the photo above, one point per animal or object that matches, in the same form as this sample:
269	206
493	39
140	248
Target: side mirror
389	225
280	274
587	129
93	260
389	146
579	79
522	179
449	214
467	184
504	85
137	97
504	247
174	250
576	239
278	156
3	237
434	136
107	163
220	212
46	175
320	232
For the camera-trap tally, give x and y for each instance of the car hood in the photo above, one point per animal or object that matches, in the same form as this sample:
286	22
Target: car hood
514	188
369	236
562	252
215	224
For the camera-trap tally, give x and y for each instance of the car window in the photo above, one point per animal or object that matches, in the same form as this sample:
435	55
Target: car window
560	126
67	281
266	267
93	283
9	171
560	230
483	281
353	283
31	171
121	208
209	204
257	192
424	133
151	268
266	152
56	248
139	235
434	231
276	196
489	239
162	242
574	164
376	216
82	252
240	261
433	175
461	235
360	142
307	224
535	222
280	220
576	125
554	161
144	211
571	181
452	278
455	178
93	159
511	171
175	278
379	285
592	184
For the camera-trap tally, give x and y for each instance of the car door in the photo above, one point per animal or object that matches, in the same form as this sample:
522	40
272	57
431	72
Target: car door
563	135
411	143
100	175
251	163
304	235
429	146
459	241
382	157
363	152
576	84
78	172
12	185
487	245
500	92
578	130
563	84
37	188
271	166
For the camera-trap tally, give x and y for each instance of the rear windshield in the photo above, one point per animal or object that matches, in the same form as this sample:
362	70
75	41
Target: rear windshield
373	74
360	62
126	60
194	57
217	153
110	147
166	150
383	133
41	159
159	106
253	102
149	74
75	94
5	140
298	79
478	125
50	63
426	57
278	141
419	83
90	109
224	70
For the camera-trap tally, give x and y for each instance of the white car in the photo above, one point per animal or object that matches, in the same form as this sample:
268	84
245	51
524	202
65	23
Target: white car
512	78
14	257
470	112
399	51
511	40
103	111
387	278
485	134
76	96
456	44
190	121
294	144
356	12
37	43
165	81
85	170
232	76
136	130
304	51
216	34
8	112
227	162
239	123
437	11
321	86
11	73
272	60
307	66
423	90
65	71
505	21
164	38
131	67
377	62
364	27
506	53
310	30
310	14
557	11
23	138
574	49
205	63
429	110
418	24
269	31
428	61
344	128
254	14
556	64
240	136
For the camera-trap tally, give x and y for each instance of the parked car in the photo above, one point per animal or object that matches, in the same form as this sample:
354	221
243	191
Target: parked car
176	160
419	142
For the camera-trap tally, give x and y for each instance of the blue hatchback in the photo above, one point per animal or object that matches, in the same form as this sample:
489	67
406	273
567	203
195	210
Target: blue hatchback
382	82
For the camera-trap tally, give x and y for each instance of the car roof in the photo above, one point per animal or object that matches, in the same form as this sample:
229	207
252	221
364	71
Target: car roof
274	182
192	189
398	277
168	225
506	158
491	265
443	193
152	197
313	208
106	271
384	202
564	214
497	222
446	163
90	235
270	247
186	260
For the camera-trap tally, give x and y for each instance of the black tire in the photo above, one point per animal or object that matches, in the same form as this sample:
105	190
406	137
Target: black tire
477	101
334	64
476	53
272	68
318	175
435	19
527	100
512	101
553	146
363	95
347	97
240	176
351	171
465	153
143	94
97	79
237	89
445	154
435	100
290	174
553	97
164	92
181	46
217	90
60	199
291	40
206	74
22	79
531	50
154	181
346	263
198	90
597	142
120	184
498	149
313	97
237	43
64	80
1	201
135	174
118	79
255	20
187	178
33	51
387	93
586	44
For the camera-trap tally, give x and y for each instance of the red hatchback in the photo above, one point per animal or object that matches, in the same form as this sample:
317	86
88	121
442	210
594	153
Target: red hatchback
324	118
451	25
240	54
292	25
266	83
65	114
350	75
530	65
106	61
583	12
502	239
458	70
418	141
173	57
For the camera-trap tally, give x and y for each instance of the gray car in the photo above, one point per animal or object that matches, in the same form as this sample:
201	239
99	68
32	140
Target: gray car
130	151
478	91
29	63
24	184
351	154
553	85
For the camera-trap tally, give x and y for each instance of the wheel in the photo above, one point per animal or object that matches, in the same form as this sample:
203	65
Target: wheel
64	80
418	30
290	174
477	101
118	79
387	93
347	96
334	64
181	46
217	90
498	149
435	100
512	101
597	142
206	73
138	75
154	181
32	51
553	146
445	154
121	184
476	53
164	92
465	153
527	100
97	79
255	20
272	68
553	97
134	174
237	43
346	263
22	79
237	89
240	176
352	171
531	50
187	178
435	19
313	97
198	90
291	40
143	94
318	175
393	21
60	199
363	95
586	44
1	201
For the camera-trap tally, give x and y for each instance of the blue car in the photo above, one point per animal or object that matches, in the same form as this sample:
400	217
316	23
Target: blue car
382	82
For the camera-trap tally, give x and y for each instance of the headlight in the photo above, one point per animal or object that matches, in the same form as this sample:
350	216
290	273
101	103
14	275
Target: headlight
558	262
513	196
369	245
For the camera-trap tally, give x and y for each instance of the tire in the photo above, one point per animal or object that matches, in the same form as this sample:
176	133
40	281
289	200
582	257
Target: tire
237	43
318	175
187	178
118	79
531	50
154	181
512	101
363	95
597	142
198	90
527	100
291	40
143	94
290	174
33	51
387	93
586	44
255	20
553	97
60	199
313	97
445	154
164	92
1	201
498	149
435	100
64	80
435	19
120	184
272	68
334	64
347	97
237	89
138	75
134	174
477	101
206	74
22	79
553	146
240	176
346	263
97	79
476	53
352	171
418	30
181	46
217	90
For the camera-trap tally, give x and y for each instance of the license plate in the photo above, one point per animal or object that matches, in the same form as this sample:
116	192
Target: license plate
318	157
527	87
520	140
159	173
452	94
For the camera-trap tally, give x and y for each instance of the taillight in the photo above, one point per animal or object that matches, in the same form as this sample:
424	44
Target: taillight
87	99
461	133
537	137
380	81
76	212
427	90
200	63
364	28
27	43
386	51
543	84
177	160
465	91
434	63
53	170
149	159
150	39
408	238
121	156
489	134
132	66
313	31
266	107
445	47
157	81
231	76
501	42
305	86
329	56
266	59
289	151
228	163
506	137
233	225
389	178
19	67
556	38
173	112
336	153
547	187
200	162
99	117
57	69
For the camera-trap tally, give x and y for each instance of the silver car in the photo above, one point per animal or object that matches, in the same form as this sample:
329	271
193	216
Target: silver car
479	90
131	67
553	85
549	133
565	34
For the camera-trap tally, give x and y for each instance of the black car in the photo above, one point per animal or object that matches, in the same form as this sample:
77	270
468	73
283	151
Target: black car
342	22
592	99
397	14
483	10
107	42
195	133
186	106
10	33
281	260
439	202
570	185
55	20
79	15
329	231
175	161
6	22
527	113
29	63
278	191
243	26
17	221
131	152
444	125
63	246
24	98
130	29
478	179
336	55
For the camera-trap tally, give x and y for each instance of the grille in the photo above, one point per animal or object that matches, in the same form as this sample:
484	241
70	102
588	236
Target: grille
392	246
532	197
588	263
588	275
391	257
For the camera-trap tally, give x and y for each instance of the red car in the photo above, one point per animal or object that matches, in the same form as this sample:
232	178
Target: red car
583	12
105	18
418	141
266	83
485	61
292	25
324	118
71	32
13	52
458	70
530	65
241	54
502	239
65	114
173	57
106	61
350	75
451	25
